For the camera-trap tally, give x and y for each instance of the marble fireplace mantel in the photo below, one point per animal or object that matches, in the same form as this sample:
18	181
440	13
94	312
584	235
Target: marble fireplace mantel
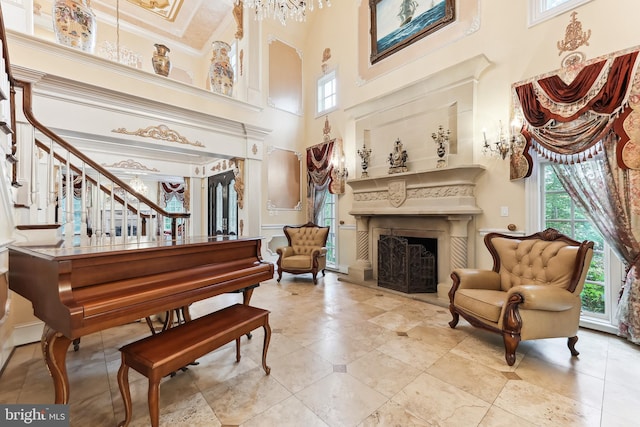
443	191
437	202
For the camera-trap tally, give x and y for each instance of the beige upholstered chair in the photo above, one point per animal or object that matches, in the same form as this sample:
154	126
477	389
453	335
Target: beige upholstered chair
306	252
532	292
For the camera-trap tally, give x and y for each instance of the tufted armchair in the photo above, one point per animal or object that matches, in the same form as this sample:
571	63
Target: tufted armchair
532	292
306	252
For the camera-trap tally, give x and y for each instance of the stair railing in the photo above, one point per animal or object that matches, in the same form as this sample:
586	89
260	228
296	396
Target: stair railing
105	199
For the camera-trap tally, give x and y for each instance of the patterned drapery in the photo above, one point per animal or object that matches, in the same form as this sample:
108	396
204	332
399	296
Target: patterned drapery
585	119
320	177
77	186
169	190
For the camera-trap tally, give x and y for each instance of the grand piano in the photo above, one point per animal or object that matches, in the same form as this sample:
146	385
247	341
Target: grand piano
78	290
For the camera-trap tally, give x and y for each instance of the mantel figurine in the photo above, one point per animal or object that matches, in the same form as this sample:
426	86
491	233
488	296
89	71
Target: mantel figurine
398	158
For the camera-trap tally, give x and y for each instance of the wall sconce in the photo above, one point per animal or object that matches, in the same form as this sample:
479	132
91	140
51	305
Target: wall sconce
505	145
337	160
338	163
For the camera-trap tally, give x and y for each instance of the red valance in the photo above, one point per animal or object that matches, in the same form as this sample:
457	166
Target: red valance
568	113
172	189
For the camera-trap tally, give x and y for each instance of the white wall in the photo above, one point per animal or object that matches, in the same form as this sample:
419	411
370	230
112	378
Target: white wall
500	32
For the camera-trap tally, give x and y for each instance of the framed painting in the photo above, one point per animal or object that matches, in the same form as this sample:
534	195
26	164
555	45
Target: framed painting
395	24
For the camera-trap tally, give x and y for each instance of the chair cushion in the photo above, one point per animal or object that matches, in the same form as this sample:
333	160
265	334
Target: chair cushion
483	303
297	262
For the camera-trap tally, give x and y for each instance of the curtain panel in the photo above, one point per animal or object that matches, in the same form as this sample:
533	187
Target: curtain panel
319	173
585	119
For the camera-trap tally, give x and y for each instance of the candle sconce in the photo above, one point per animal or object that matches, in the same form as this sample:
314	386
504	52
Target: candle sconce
441	138
504	145
365	155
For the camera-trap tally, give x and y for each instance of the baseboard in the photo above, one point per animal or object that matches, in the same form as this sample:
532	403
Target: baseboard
27	333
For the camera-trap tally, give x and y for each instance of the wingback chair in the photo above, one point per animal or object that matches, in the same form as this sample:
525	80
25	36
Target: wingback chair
532	292
306	251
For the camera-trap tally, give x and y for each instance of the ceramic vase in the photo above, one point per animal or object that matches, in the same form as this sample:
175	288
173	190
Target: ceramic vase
74	24
220	70
160	60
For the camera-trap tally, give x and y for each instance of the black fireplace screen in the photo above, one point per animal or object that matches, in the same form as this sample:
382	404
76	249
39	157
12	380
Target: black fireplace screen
407	264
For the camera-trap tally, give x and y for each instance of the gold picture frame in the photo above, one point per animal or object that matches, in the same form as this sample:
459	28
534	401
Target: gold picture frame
416	21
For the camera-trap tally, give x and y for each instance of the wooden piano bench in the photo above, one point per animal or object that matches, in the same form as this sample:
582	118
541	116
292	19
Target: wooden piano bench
159	355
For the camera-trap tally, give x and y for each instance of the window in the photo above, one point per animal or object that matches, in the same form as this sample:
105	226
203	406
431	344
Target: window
174	205
77	214
327	92
327	218
599	296
541	10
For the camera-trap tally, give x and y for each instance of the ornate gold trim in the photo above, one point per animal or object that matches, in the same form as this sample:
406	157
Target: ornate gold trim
574	37
166	9
130	164
239	184
238	13
160	132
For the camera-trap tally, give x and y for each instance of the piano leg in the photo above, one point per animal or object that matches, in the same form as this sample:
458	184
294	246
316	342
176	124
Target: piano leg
246	294
54	348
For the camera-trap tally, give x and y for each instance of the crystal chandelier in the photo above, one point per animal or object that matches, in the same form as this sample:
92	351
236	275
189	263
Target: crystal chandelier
284	9
138	186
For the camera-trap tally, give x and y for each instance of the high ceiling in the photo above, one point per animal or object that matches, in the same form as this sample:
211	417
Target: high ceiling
192	25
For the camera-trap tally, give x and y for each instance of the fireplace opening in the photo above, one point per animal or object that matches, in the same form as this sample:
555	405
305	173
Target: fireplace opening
408	264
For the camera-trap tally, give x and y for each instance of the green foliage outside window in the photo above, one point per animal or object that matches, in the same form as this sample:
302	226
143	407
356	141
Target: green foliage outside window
327	219
562	214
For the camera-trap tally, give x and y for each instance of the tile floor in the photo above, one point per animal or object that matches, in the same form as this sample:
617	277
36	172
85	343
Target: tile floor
349	355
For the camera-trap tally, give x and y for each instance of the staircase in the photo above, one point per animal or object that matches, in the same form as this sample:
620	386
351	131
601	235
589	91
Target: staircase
51	193
54	193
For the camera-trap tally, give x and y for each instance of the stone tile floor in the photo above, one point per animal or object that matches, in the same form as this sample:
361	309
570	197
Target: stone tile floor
348	355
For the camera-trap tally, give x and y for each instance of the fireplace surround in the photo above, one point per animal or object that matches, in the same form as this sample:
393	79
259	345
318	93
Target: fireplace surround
434	204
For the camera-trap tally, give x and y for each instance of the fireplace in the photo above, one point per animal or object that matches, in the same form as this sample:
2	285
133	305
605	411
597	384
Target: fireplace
434	206
407	264
427	201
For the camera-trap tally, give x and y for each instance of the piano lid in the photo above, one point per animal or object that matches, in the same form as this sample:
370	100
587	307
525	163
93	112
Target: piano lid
107	245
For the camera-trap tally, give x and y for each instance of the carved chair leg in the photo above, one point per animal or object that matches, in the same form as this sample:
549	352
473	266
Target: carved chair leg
315	280
279	276
511	342
456	318
571	343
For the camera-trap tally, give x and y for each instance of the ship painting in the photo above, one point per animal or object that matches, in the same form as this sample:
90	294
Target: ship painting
407	9
417	19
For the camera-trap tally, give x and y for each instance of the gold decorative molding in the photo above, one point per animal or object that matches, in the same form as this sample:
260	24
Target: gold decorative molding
160	132
220	166
238	12
239	184
167	9
130	164
574	37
